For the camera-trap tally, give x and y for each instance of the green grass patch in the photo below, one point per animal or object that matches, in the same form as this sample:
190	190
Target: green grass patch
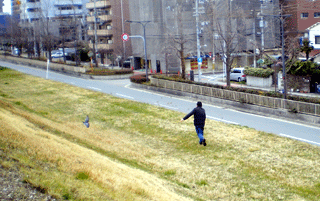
135	151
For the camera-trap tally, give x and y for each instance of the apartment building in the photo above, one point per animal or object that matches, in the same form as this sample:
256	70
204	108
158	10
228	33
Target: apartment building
105	32
304	14
170	20
29	11
1	6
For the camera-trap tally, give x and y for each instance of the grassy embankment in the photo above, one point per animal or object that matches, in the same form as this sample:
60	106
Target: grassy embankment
135	151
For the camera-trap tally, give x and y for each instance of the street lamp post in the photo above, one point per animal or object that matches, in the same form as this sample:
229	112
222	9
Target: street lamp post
144	24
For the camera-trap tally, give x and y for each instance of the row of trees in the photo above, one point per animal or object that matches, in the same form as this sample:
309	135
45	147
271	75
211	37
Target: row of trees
232	27
229	29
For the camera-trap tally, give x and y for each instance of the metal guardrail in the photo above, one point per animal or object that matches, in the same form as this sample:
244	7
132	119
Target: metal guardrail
270	102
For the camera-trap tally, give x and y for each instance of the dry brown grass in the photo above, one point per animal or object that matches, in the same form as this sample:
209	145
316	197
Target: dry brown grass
134	151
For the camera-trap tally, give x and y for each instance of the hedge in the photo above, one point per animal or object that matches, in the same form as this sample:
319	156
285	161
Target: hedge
138	78
258	72
109	72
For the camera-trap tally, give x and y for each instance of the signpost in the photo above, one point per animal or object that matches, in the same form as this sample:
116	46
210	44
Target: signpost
90	54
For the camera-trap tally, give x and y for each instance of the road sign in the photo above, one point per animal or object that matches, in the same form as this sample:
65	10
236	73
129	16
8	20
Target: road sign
200	60
90	53
125	37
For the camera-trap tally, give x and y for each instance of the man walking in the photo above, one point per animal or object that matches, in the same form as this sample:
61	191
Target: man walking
199	121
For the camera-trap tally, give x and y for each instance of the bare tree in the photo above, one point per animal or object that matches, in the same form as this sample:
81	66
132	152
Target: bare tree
47	33
226	21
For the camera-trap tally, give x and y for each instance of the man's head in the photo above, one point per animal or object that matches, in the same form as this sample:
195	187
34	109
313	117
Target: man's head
199	104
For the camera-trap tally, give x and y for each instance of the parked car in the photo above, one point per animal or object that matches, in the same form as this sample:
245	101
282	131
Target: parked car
237	74
57	54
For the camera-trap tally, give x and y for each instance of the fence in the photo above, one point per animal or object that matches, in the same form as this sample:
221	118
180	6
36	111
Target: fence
276	103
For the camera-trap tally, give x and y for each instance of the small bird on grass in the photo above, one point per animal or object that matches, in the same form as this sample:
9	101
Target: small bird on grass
86	122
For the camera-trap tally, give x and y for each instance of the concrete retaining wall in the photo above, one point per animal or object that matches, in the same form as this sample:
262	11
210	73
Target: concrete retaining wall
43	64
75	70
259	81
243	98
248	108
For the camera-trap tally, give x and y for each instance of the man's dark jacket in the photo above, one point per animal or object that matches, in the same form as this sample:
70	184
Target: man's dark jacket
199	116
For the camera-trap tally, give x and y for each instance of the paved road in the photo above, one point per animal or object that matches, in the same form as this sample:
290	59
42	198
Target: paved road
122	88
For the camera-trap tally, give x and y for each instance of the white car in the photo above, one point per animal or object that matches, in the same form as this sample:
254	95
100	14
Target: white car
237	74
57	54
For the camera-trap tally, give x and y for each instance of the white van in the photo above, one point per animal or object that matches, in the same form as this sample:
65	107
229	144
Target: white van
237	74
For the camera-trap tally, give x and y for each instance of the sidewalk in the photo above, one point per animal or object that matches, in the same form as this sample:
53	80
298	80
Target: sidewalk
223	83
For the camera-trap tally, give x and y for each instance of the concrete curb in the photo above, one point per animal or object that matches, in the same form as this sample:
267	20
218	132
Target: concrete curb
243	107
106	77
62	68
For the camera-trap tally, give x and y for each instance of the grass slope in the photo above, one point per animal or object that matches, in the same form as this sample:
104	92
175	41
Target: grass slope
135	151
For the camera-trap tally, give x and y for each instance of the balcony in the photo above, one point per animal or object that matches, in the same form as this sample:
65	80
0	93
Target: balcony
102	46
103	18
99	4
101	32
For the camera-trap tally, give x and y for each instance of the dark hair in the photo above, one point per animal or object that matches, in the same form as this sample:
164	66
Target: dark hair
199	104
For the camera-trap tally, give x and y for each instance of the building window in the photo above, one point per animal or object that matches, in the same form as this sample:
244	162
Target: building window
317	15
317	40
32	10
304	15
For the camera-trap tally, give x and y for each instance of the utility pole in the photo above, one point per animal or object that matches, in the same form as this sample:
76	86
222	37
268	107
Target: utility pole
254	39
123	42
95	34
282	18
262	25
198	41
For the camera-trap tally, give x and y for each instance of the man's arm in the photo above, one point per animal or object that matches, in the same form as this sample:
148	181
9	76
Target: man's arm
188	115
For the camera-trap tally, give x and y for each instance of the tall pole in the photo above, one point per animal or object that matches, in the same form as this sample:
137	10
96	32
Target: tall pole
262	27
284	73
198	40
145	49
123	42
254	40
283	61
143	24
95	34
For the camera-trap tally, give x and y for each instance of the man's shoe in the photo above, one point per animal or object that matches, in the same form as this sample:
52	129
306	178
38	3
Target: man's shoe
204	142
200	142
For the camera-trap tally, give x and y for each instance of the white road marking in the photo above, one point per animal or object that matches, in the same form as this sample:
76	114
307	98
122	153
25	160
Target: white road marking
301	139
255	115
125	96
174	108
94	88
218	119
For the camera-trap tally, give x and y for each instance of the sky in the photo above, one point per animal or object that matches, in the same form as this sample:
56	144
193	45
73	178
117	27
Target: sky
7	6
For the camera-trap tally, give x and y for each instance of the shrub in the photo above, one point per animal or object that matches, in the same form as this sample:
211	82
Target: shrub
109	72
258	72
138	79
304	68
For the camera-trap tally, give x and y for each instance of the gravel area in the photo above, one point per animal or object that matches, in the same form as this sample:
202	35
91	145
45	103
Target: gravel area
12	186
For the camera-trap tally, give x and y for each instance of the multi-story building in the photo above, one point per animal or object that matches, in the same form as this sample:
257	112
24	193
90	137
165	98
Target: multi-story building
1	6
4	29
29	11
170	21
304	13
71	15
105	31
